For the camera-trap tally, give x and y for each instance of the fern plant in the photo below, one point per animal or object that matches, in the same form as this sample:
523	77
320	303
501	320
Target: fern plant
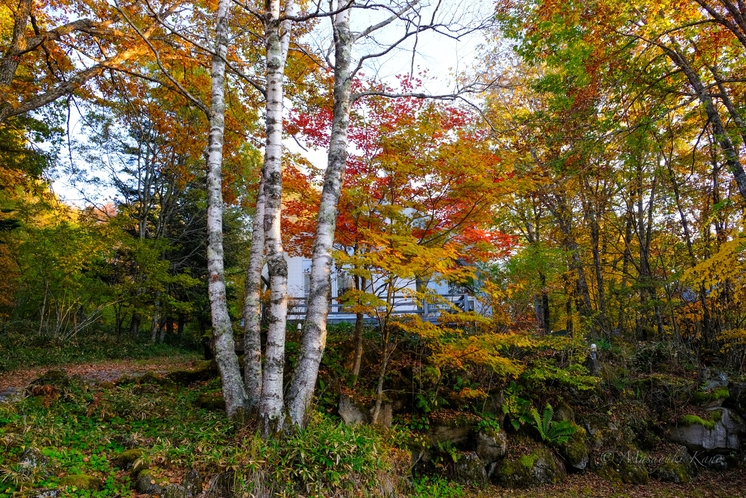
552	432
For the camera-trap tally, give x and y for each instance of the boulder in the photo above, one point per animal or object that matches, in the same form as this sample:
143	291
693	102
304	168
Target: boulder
674	472
350	412
174	491
192	483
81	482
211	401
624	471
736	399
563	411
32	463
385	416
575	452
45	493
145	483
469	469
720	432
494	406
456	435
491	445
534	466
127	459
202	371
711	398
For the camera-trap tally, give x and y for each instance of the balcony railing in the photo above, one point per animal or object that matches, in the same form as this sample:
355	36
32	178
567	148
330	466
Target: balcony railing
401	305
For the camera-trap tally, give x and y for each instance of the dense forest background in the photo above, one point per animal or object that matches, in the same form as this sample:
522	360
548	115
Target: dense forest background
595	182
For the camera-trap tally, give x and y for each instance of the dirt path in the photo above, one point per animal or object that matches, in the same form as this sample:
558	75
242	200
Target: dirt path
12	382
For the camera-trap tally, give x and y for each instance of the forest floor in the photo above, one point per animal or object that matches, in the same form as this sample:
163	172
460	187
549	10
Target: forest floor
708	484
731	483
99	371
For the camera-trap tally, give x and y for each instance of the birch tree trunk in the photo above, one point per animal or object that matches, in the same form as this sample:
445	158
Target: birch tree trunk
252	311
277	41
225	355
314	331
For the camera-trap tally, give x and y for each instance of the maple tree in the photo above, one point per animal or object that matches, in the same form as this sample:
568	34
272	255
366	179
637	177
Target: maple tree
416	205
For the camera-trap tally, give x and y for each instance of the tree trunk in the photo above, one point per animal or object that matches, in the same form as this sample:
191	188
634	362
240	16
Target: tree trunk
271	402
135	324
156	320
358	335
225	354
726	145
252	311
314	331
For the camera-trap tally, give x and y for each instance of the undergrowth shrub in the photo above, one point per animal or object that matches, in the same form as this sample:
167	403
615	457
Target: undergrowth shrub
328	458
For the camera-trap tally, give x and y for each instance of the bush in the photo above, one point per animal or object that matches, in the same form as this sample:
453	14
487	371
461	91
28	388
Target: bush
327	457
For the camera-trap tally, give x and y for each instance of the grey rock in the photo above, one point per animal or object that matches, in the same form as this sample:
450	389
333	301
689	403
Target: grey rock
724	436
446	433
469	469
174	491
350	412
46	493
720	381
737	398
575	452
32	462
535	467
147	485
676	473
8	393
385	417
491	445
192	483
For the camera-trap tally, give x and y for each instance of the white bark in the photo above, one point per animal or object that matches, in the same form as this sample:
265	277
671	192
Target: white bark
277	41
252	311
225	355
314	331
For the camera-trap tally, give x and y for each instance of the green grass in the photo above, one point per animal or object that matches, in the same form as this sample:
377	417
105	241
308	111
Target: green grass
82	431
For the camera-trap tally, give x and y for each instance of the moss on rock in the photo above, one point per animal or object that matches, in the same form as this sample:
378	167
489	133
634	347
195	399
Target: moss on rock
709	423
716	395
81	481
624	472
128	458
202	371
672	472
575	452
535	466
469	469
146	482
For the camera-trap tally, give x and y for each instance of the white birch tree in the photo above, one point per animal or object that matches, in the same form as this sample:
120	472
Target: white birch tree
225	355
277	31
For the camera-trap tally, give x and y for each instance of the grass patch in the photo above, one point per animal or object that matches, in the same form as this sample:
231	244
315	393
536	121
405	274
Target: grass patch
93	441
